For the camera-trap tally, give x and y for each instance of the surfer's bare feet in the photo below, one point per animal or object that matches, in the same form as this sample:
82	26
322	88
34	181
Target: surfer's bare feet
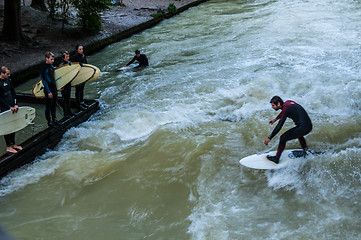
273	159
17	147
11	150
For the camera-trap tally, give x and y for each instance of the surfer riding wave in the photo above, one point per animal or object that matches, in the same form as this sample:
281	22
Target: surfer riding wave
299	116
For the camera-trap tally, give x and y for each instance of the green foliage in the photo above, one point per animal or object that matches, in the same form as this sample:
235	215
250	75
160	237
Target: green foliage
172	8
52	8
89	13
158	15
39	4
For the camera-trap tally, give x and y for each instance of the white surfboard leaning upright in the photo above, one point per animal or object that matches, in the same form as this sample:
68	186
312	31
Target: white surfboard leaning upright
63	75
260	161
86	73
13	122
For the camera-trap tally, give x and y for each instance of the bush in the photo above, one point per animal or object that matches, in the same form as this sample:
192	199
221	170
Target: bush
158	15
172	8
89	13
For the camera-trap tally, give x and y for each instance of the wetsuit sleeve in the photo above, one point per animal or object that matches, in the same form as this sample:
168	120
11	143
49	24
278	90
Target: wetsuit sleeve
46	81
52	76
13	94
279	116
131	61
279	126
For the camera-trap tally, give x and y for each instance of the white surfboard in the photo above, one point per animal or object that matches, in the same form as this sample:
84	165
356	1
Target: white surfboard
13	122
260	161
130	67
63	75
123	68
86	72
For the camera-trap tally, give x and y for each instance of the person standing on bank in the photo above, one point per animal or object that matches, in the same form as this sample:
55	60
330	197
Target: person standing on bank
66	90
300	117
79	89
141	58
50	90
8	102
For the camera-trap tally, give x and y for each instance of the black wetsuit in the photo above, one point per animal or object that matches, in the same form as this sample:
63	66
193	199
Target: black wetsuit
7	101
48	79
79	89
66	92
303	125
142	59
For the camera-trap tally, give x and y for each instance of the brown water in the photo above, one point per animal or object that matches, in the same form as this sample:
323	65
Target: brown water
160	159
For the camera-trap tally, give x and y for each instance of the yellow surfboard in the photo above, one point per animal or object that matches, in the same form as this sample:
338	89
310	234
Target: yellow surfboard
96	74
86	72
63	75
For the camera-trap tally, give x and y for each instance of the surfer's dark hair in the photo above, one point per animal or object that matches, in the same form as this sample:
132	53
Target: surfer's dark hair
137	51
276	99
64	53
3	69
77	46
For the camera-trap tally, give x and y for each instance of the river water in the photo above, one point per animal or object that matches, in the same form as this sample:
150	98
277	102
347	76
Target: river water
160	159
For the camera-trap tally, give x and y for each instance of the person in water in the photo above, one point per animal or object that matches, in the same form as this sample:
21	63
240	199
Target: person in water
8	102
141	58
299	116
79	89
66	90
50	90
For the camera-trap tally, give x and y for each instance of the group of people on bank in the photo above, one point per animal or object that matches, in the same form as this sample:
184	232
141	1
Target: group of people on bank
47	74
8	95
289	109
50	90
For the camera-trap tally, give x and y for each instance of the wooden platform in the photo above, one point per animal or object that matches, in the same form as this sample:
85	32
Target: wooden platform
46	139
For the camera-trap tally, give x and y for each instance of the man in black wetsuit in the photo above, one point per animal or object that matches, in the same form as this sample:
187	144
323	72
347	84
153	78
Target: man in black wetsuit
141	58
299	116
8	102
50	90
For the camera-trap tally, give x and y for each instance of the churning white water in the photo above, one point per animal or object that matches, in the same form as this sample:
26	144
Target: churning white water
160	159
